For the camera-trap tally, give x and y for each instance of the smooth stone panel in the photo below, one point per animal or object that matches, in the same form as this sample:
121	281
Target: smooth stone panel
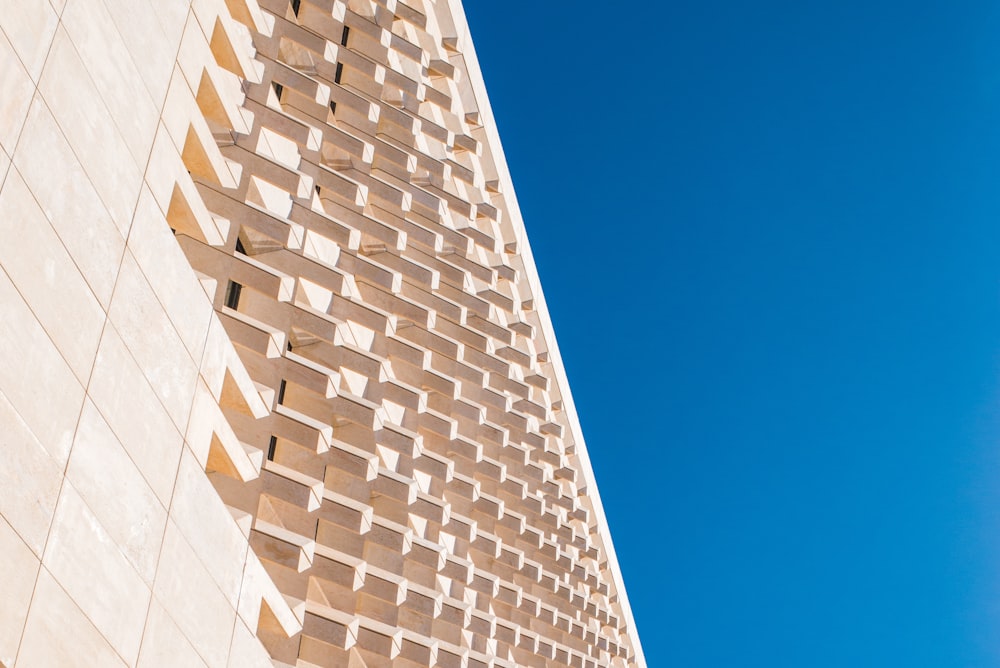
247	652
101	47
169	273
209	527
29	26
207	619
153	50
17	89
59	635
44	273
122	394
80	111
35	378
4	166
114	489
66	195
154	343
87	563
29	480
163	644
218	348
17	582
173	16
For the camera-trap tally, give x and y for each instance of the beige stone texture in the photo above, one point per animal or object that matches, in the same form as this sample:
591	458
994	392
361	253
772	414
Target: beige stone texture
59	634
120	391
278	385
30	27
36	378
17	582
87	563
169	275
81	113
163	644
246	650
30	480
67	197
153	342
193	599
18	90
44	273
103	334
4	166
102	472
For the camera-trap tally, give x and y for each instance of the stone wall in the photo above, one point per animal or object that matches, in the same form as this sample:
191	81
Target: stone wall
278	385
113	366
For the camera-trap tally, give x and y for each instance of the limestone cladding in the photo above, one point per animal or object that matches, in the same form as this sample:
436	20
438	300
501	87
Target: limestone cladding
278	386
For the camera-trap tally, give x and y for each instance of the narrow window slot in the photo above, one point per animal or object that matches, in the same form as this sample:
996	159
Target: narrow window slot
343	36
278	90
281	391
338	73
295	6
270	448
240	248
233	291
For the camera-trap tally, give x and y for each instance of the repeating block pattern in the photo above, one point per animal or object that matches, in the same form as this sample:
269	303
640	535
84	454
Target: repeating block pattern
278	386
424	497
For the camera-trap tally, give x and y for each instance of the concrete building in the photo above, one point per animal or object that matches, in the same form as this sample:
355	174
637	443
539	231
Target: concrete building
278	386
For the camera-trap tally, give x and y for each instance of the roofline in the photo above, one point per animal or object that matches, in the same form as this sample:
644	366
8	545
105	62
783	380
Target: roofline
478	85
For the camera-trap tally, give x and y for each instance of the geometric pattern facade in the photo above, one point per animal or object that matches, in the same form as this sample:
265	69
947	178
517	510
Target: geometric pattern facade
279	386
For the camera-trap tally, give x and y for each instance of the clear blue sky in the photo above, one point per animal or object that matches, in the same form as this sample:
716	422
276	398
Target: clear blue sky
769	236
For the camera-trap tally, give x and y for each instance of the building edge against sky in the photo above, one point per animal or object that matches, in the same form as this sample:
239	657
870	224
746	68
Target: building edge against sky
278	382
493	137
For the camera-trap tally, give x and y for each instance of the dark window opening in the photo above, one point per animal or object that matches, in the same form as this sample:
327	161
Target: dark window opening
317	190
270	448
278	89
295	6
338	73
281	391
333	107
343	36
233	294
240	248
289	346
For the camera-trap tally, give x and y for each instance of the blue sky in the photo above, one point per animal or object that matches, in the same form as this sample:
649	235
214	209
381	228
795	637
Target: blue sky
769	236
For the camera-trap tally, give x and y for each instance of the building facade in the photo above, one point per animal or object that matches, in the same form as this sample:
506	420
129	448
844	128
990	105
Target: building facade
278	385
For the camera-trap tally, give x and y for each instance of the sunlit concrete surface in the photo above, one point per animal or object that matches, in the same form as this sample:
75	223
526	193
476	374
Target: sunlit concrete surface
278	386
